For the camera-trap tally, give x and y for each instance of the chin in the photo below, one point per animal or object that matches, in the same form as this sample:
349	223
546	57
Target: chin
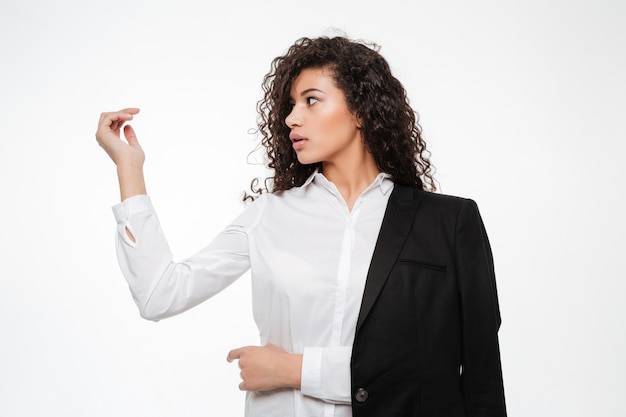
307	161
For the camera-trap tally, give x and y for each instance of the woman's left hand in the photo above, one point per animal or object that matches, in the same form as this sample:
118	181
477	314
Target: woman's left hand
267	367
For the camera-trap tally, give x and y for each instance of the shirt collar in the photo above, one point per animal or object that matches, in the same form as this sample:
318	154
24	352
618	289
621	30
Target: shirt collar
382	180
311	177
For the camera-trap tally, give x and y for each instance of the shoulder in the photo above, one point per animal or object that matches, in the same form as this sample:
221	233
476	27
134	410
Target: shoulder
433	210
268	203
430	199
442	220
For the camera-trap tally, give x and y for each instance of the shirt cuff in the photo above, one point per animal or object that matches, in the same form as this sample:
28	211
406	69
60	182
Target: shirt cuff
310	382
326	373
123	212
132	205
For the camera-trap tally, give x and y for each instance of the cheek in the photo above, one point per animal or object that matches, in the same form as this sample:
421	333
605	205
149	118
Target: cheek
347	126
340	121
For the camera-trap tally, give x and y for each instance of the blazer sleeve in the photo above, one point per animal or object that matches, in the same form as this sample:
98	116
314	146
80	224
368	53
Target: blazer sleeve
481	373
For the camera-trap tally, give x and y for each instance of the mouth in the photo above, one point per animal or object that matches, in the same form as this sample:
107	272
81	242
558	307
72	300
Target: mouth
295	138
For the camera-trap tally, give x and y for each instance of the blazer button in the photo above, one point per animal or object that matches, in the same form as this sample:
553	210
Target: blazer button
361	395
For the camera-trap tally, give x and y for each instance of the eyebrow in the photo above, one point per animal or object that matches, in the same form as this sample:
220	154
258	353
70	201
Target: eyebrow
309	90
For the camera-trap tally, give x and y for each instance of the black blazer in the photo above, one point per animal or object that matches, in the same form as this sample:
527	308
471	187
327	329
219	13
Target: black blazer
426	342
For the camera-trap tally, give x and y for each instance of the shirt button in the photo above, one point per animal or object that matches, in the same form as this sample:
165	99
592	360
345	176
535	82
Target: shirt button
361	395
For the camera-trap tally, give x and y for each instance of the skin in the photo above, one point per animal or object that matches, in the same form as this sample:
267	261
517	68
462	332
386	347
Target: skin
330	134
127	156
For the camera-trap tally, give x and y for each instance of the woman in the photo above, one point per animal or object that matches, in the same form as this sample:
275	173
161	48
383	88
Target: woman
372	295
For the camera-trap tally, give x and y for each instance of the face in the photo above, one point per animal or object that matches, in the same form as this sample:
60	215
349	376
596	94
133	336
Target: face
322	127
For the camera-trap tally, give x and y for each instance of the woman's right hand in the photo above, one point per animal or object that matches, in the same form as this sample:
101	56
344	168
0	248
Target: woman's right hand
123	153
127	155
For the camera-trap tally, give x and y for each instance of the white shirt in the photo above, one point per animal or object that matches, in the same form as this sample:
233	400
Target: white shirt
309	256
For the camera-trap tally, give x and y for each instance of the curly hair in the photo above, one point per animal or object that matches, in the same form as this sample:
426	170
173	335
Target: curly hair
389	125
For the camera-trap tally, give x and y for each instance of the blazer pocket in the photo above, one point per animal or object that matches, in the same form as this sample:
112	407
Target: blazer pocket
426	265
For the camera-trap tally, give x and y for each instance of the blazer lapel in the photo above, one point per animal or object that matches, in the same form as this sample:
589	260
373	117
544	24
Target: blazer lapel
395	228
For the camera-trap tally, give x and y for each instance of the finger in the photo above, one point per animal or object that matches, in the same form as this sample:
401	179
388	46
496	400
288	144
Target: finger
131	137
130	111
111	118
233	354
114	120
112	123
126	115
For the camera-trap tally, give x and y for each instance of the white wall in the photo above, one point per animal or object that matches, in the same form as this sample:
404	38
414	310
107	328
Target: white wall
522	103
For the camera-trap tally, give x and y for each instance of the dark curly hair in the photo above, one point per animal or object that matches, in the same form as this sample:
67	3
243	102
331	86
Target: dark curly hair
390	127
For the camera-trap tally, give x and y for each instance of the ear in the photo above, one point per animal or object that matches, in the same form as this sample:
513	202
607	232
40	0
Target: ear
358	120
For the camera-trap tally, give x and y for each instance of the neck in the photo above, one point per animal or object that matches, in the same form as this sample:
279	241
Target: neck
352	177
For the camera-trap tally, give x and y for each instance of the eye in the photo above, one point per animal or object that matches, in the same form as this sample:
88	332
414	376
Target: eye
311	100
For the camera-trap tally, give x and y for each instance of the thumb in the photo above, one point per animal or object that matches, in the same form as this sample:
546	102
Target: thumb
131	137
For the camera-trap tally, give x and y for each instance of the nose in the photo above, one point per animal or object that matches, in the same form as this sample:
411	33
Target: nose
293	119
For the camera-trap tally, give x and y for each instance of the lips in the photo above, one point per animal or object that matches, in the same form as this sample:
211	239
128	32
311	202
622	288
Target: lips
294	137
297	141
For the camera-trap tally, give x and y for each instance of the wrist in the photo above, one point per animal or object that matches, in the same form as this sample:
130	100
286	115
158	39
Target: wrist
129	168
294	377
131	180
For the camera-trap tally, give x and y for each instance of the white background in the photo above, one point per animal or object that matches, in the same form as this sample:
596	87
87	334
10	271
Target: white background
522	104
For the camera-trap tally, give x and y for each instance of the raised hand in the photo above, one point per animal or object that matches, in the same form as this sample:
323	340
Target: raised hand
108	136
127	155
